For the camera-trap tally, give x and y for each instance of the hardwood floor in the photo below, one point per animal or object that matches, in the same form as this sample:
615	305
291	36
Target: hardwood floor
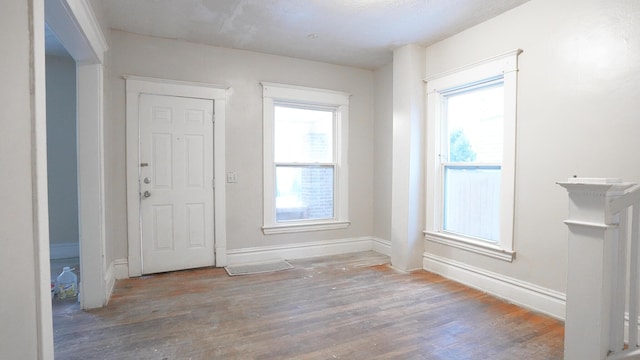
341	307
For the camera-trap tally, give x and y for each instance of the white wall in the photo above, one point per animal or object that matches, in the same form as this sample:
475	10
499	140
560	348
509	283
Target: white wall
578	114
18	227
407	179
62	158
382	151
241	70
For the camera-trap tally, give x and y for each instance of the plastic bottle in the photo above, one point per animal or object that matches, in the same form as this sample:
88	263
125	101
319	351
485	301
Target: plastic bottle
67	284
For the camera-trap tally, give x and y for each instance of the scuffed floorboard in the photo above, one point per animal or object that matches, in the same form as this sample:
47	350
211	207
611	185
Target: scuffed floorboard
350	306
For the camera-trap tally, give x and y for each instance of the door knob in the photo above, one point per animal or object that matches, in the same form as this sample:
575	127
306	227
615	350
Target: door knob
147	180
146	194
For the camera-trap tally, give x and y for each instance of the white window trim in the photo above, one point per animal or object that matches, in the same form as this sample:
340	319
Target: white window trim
273	93
505	65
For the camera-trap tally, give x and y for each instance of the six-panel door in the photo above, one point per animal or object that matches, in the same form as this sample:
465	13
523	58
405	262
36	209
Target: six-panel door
176	183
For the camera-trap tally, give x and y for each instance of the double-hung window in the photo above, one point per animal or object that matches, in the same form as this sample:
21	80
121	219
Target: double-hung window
305	152
471	116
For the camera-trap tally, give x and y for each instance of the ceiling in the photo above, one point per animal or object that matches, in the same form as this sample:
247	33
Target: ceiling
360	33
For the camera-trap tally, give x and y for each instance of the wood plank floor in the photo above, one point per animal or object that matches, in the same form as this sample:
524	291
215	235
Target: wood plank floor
341	307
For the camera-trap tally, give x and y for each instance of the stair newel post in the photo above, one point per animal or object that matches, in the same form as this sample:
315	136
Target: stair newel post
592	280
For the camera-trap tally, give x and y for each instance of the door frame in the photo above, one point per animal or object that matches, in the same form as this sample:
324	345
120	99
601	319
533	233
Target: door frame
78	30
135	86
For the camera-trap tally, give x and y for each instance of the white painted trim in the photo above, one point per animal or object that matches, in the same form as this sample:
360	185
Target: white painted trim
121	269
171	82
300	250
77	29
506	65
631	354
272	94
468	244
118	269
310	226
503	66
304	94
40	201
589	224
381	246
110	281
135	86
219	175
91	214
519	292
64	251
89	24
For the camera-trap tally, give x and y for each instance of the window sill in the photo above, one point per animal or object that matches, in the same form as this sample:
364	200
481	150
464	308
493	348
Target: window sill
302	227
475	246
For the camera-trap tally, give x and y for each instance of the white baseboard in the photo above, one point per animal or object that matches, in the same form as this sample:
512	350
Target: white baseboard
300	250
519	292
110	281
118	269
121	268
381	246
221	256
64	251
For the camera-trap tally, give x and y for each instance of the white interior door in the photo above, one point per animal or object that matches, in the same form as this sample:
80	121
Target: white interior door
176	183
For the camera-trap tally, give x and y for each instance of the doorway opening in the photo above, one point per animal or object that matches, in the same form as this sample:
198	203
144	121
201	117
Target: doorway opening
77	29
62	168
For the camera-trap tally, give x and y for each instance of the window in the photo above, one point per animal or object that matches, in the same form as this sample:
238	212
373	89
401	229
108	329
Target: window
471	158
304	160
471	116
305	152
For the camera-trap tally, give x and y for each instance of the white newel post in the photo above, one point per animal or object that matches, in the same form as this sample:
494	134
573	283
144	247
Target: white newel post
591	283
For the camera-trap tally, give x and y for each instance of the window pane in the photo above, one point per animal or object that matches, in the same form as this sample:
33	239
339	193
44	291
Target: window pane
304	193
475	124
472	201
303	135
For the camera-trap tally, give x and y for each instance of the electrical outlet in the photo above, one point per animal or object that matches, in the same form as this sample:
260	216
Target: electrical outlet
232	177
